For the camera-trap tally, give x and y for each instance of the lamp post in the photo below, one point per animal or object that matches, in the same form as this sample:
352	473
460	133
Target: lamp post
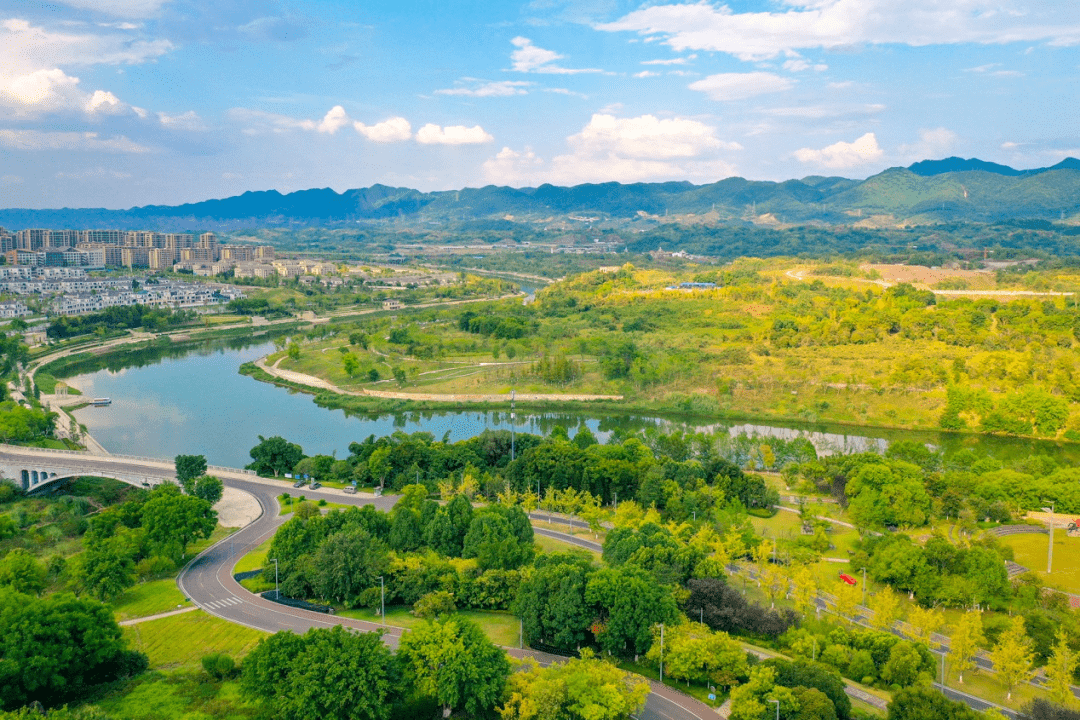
382	599
1050	546
513	424
864	585
777	707
277	591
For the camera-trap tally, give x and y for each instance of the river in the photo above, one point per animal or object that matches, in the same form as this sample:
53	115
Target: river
195	402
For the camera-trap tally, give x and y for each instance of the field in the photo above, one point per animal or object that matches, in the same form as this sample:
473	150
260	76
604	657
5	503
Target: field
776	340
181	641
149	598
182	695
1030	551
501	628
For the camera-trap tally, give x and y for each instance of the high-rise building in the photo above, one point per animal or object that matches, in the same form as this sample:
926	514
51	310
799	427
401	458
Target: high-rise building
106	237
31	239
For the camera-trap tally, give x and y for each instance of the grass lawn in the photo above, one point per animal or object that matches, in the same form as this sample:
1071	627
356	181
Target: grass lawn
694	690
551	545
183	695
986	686
182	640
254	560
584	533
1030	551
500	627
220	533
149	598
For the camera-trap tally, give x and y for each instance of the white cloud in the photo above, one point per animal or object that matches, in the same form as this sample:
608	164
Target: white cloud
843	154
647	137
530	58
609	148
39	140
646	74
839	23
432	134
564	91
501	88
671	61
335	119
33	83
739	86
932	143
120	8
396	129
1009	145
185	121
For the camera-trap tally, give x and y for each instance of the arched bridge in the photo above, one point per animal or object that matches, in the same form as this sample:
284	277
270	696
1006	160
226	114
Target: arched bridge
34	469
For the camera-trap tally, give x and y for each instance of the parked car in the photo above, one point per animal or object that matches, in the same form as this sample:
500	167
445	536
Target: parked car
315	484
350	489
299	483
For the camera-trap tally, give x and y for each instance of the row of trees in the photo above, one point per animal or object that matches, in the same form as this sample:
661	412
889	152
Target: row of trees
448	665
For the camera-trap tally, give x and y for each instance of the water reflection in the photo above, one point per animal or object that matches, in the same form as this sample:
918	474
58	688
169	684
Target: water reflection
169	401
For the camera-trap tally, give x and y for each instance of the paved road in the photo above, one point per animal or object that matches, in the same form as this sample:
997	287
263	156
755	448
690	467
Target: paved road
209	583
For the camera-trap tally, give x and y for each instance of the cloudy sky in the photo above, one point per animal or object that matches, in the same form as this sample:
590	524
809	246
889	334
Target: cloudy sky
114	103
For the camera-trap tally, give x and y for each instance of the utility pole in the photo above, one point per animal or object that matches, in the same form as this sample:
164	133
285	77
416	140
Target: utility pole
1050	547
777	708
382	599
277	592
513	425
864	586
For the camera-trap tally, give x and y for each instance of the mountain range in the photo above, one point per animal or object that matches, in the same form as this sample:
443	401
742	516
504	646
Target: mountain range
948	190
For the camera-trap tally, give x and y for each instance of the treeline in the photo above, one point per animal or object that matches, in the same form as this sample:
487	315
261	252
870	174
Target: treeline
679	472
119	318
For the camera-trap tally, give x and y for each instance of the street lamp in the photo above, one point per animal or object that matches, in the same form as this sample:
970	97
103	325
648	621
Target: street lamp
277	592
382	599
513	424
1050	546
777	707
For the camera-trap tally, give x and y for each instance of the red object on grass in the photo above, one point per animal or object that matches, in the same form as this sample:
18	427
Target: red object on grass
848	579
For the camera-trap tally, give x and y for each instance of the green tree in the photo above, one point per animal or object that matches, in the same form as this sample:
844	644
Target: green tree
1060	670
208	488
495	542
219	666
20	571
53	648
275	456
346	564
904	664
802	673
630	603
750	701
434	605
1012	656
453	662
328	674
578	689
551	601
964	642
107	569
189	467
692	652
350	364
173	521
923	703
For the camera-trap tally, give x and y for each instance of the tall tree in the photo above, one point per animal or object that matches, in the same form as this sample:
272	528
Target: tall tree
1059	670
964	642
208	488
578	689
453	662
173	521
55	647
923	703
630	603
924	622
274	456
189	467
20	571
330	674
1013	657
886	607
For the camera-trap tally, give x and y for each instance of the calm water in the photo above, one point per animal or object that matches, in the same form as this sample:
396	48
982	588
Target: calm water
197	403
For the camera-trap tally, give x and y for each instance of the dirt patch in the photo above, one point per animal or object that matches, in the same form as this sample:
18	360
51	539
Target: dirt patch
922	275
237	508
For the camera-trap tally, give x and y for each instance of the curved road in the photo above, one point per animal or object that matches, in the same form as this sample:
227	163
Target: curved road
208	580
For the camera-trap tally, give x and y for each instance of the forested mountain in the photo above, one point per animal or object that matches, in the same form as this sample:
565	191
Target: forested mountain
952	189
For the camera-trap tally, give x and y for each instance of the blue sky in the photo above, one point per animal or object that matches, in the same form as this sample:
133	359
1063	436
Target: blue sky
114	103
